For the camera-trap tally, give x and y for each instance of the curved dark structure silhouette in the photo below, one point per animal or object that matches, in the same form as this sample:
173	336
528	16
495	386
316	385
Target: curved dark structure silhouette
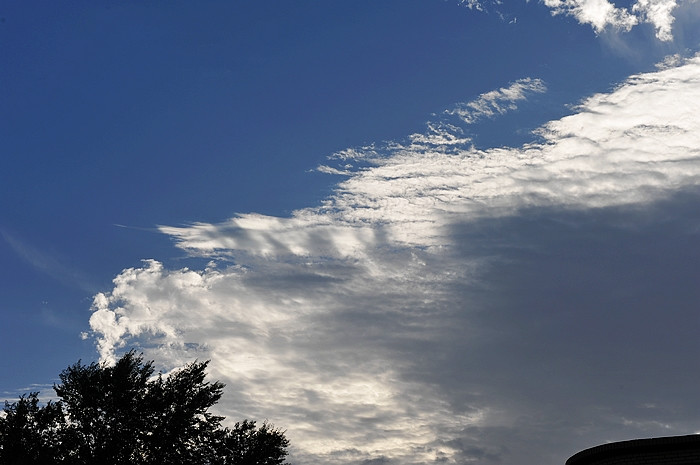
672	450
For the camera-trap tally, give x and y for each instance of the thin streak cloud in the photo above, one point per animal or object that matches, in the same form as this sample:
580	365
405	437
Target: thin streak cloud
47	263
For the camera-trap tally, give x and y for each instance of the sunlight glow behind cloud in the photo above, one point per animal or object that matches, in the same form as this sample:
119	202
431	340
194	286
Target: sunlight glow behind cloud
355	325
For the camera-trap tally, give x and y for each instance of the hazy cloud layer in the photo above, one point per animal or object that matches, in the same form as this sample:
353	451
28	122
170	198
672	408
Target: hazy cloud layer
509	305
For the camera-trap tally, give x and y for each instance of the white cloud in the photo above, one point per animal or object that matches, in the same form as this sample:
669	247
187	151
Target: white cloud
602	14
472	4
658	13
410	195
307	233
439	305
497	102
273	337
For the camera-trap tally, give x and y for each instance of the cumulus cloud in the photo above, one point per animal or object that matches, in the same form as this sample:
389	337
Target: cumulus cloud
602	14
658	13
441	303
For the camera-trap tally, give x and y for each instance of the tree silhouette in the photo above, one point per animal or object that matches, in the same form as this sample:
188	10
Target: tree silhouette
123	414
25	426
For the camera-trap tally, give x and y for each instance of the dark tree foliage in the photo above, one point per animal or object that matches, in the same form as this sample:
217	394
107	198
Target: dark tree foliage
123	414
250	445
27	424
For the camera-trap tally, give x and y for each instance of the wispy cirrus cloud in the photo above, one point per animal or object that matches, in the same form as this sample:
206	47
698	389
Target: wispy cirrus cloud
46	262
440	304
497	102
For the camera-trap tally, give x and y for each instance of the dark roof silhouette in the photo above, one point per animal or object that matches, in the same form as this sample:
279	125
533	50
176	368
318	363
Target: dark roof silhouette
671	450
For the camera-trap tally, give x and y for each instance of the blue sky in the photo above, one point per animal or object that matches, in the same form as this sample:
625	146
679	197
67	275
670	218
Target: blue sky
404	231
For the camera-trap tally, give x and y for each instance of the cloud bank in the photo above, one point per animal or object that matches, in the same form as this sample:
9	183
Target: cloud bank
455	304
